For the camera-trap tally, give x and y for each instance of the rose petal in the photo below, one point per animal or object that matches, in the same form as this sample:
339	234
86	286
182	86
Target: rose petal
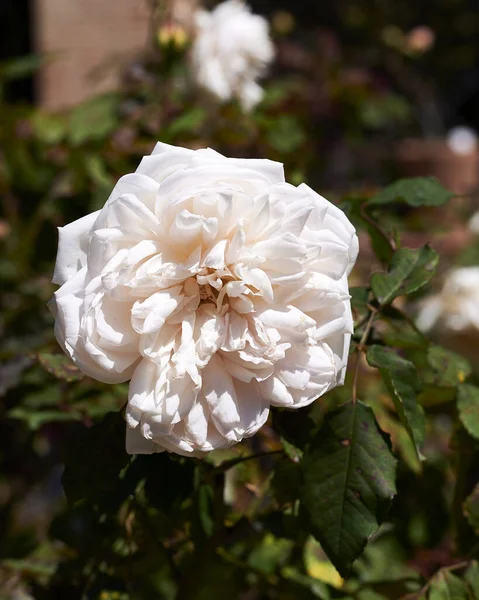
72	248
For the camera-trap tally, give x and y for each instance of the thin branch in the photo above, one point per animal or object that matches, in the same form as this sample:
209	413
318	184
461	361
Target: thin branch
229	464
361	322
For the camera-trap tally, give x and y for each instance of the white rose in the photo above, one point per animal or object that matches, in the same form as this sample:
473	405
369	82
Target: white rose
455	308
462	140
474	223
215	286
232	49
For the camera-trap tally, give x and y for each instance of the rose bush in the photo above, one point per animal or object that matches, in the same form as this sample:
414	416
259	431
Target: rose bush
213	284
232	49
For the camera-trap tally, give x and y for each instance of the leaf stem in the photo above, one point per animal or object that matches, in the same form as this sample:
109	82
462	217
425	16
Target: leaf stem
364	214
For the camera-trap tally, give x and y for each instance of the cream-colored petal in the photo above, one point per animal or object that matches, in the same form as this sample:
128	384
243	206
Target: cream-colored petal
73	240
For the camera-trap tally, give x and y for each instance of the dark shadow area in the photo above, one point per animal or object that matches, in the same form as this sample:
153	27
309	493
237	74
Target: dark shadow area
17	40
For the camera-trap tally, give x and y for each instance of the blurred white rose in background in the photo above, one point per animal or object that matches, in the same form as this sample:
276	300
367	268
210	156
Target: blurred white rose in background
456	307
474	223
231	51
217	287
462	140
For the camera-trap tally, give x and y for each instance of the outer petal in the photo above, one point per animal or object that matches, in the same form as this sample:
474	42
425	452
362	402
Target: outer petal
272	170
339	344
306	373
238	409
220	394
72	248
247	178
141	396
196	424
107	335
335	224
164	161
68	308
254	410
134	184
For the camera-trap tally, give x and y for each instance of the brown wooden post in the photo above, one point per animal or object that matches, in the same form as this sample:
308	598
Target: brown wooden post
89	41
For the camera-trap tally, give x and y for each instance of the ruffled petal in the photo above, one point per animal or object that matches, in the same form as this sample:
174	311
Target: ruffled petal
73	242
69	314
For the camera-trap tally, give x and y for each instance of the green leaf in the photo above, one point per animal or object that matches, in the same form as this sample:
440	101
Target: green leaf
23	66
94	119
95	460
447	586
270	553
42	397
468	406
471	578
401	331
96	169
356	208
29	567
410	270
402	381
449	368
471	509
60	366
291	451
287	135
188	122
50	129
205	497
380	111
348	482
415	191
37	418
275	93
380	239
318	565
